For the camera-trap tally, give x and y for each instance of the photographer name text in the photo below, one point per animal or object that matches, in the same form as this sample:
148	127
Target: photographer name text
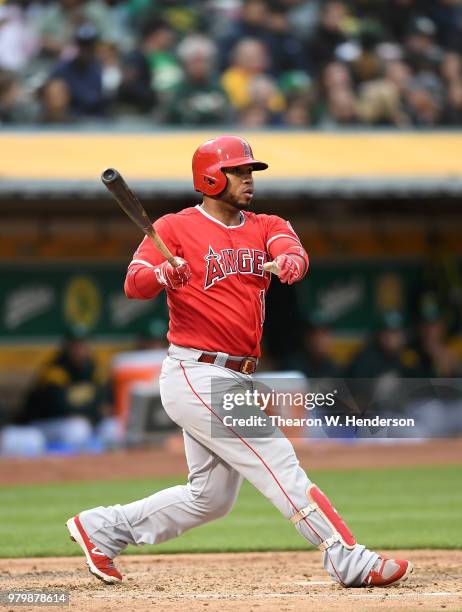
277	420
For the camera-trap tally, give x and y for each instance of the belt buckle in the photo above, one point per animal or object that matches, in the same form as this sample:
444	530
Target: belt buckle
248	366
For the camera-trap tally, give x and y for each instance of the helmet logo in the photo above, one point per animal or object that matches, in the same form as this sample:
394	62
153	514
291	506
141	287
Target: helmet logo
247	151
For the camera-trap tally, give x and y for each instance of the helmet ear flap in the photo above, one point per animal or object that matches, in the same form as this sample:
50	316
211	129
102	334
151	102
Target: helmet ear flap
214	185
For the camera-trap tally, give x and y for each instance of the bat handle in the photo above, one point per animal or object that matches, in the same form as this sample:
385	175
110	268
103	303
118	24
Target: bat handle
161	246
271	266
174	262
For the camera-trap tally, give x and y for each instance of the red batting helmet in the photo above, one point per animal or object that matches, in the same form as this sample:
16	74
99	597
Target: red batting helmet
214	155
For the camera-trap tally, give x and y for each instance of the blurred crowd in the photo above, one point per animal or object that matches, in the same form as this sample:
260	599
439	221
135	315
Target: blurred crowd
252	63
391	350
392	375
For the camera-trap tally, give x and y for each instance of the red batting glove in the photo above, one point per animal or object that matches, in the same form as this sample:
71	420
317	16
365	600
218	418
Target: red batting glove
290	269
171	277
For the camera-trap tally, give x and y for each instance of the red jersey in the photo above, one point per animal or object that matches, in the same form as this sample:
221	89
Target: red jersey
222	308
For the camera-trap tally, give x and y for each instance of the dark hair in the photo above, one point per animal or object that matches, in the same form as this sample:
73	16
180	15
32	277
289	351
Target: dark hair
154	24
86	34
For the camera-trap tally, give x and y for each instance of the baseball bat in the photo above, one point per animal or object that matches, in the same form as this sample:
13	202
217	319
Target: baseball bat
129	203
271	266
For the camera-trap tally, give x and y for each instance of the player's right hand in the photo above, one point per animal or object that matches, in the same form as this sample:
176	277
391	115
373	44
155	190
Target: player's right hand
289	268
171	277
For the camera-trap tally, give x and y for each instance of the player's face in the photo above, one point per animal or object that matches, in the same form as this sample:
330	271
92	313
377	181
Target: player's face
239	191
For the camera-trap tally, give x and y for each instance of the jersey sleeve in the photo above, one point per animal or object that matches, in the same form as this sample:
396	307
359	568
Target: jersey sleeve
141	282
282	239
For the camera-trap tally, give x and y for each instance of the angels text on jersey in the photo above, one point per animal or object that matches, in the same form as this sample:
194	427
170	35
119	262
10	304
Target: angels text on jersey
223	263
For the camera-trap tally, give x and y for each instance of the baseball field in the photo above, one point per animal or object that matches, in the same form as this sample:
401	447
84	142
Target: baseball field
405	498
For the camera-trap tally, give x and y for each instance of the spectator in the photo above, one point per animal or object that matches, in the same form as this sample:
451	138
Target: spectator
250	59
383	354
56	23
328	36
70	400
254	116
446	15
428	355
18	42
423	102
451	71
383	101
136	91
55	102
299	92
317	362
335	76
303	16
15	105
422	52
380	104
399	74
440	281
252	24
451	67
452	114
158	49
297	114
367	66
183	17
83	76
342	109
286	50
264	93
108	54
317	359
199	98
394	15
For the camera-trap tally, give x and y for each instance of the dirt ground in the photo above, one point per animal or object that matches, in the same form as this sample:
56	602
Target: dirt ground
266	582
168	460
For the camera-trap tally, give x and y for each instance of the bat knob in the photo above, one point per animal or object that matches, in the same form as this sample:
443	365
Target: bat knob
109	175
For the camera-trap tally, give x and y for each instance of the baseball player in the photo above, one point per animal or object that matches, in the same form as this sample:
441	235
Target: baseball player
216	298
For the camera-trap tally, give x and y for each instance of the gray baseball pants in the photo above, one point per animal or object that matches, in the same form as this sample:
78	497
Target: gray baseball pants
217	466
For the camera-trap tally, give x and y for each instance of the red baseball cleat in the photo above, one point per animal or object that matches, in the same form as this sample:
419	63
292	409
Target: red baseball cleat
388	571
99	565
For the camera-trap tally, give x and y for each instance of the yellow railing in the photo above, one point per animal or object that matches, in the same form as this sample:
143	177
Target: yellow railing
167	155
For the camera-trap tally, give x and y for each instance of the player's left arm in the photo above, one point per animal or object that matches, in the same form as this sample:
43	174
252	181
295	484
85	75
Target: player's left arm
285	248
